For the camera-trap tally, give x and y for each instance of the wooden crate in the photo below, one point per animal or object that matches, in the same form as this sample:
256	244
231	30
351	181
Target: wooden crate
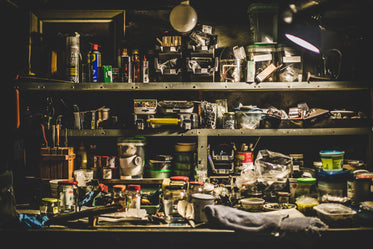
57	163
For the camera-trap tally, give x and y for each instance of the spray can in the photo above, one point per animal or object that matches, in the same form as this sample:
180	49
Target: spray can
94	62
145	70
125	66
72	57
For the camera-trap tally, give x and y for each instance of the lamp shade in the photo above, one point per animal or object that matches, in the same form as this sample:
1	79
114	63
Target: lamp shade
183	17
303	43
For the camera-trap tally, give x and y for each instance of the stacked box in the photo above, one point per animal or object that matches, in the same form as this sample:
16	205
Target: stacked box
201	63
168	62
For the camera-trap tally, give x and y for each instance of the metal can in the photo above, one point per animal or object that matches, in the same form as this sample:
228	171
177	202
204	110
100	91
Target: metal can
72	57
94	61
359	188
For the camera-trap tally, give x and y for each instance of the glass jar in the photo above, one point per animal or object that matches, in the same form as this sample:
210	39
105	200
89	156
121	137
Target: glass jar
291	68
67	192
176	191
306	186
228	120
133	197
248	119
195	187
119	195
261	64
49	206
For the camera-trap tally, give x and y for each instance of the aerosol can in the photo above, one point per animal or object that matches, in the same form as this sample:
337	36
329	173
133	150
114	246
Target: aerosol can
94	63
72	57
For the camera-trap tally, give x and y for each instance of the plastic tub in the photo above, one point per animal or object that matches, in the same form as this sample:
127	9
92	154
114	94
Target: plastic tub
305	204
332	159
54	185
252	204
334	213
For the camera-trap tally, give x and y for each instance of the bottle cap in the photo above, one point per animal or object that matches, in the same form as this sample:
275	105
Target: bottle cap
134	187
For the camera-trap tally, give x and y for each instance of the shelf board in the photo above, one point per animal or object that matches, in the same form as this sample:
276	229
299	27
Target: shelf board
191	86
223	132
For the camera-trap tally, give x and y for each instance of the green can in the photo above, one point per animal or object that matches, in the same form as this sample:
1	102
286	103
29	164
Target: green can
108	73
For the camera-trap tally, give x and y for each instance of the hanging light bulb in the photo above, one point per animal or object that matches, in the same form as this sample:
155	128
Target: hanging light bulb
183	17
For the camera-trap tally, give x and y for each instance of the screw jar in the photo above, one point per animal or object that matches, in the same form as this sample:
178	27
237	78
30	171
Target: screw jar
67	192
176	191
49	206
133	197
228	120
119	195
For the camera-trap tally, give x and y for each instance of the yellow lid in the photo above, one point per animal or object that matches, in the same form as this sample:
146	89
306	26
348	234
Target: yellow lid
50	200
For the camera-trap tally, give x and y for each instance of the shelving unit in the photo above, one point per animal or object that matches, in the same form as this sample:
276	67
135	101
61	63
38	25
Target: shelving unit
201	86
203	134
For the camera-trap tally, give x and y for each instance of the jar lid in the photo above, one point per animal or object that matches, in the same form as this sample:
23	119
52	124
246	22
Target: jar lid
365	176
134	187
119	187
196	183
68	182
179	178
306	180
48	199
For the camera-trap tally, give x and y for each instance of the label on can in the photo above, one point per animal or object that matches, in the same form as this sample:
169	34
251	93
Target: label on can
108	74
94	61
244	161
72	65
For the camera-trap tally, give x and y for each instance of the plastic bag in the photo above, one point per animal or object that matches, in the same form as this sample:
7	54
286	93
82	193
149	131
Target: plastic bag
272	166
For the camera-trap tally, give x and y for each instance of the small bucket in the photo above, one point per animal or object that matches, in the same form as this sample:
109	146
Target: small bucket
332	159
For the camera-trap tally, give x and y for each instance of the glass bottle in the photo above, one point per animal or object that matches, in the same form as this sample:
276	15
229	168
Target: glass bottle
136	63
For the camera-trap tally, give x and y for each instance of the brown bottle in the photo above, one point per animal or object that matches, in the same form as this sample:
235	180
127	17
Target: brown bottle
136	63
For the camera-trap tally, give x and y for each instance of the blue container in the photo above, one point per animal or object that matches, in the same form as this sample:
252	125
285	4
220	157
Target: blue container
333	183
